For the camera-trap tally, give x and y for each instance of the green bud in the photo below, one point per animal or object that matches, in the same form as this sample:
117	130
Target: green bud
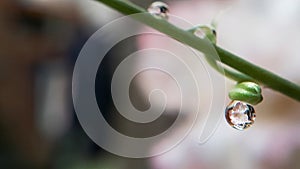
247	92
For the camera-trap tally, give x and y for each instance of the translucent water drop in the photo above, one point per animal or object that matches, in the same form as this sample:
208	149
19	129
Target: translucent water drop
206	32
200	33
159	9
240	115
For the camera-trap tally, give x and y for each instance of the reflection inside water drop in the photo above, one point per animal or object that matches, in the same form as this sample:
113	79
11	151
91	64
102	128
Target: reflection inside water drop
240	115
159	9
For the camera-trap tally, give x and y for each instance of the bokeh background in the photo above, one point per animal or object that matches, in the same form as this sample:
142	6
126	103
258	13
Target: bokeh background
41	39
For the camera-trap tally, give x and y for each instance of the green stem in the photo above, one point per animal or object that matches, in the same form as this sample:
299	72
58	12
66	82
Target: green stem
259	74
232	74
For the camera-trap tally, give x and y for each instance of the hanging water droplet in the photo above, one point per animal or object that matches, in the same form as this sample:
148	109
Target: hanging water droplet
159	9
240	115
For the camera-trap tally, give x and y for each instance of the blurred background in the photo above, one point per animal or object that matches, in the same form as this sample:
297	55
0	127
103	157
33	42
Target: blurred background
41	39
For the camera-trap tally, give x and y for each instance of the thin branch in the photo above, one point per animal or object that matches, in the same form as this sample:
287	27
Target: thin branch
213	62
258	74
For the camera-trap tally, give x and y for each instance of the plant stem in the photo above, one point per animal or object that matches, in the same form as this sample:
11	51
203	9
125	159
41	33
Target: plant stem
258	74
230	73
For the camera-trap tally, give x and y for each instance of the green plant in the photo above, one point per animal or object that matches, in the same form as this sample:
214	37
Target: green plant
243	70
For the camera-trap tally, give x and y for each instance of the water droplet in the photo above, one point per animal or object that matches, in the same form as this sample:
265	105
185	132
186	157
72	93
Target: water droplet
240	115
206	32
200	33
159	9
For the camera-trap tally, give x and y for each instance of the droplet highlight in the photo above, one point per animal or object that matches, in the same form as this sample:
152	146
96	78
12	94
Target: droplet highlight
240	115
159	9
199	33
206	32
